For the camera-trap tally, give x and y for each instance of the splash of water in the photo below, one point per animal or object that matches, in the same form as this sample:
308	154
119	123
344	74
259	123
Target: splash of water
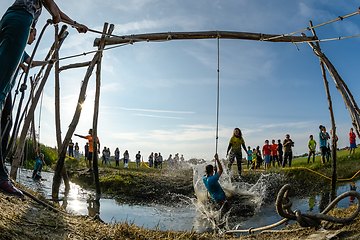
248	197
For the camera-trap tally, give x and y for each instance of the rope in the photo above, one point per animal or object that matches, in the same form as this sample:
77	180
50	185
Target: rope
309	28
283	208
339	180
94	51
144	164
330	39
42	95
218	94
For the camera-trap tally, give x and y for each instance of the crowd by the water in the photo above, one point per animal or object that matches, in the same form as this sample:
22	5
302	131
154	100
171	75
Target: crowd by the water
280	152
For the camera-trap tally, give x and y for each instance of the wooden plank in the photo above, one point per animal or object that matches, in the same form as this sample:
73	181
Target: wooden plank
166	36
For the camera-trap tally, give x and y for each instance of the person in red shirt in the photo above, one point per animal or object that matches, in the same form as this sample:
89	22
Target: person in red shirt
274	153
352	137
266	153
89	137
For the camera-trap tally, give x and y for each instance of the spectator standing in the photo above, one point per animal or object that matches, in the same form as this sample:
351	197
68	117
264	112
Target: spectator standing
160	160
352	138
86	148
267	154
312	148
182	158
249	157
288	144
77	154
156	160
328	153
274	153
235	144
259	160
117	156
103	156
107	157
151	160
89	138
126	158
280	152
71	148
138	157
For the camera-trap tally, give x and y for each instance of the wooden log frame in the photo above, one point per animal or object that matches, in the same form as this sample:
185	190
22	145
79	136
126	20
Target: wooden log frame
166	36
333	125
57	111
348	100
96	108
30	114
72	127
74	65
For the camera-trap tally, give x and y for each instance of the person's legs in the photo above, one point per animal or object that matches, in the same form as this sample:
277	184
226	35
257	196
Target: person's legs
231	161
309	155
238	162
285	160
290	158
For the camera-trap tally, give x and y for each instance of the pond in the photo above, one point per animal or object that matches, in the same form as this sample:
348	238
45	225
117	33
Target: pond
187	215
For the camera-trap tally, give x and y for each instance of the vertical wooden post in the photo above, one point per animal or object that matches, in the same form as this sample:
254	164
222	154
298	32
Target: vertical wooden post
333	126
57	110
61	158
96	111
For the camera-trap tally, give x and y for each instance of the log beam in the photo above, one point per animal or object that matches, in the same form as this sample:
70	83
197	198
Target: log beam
166	36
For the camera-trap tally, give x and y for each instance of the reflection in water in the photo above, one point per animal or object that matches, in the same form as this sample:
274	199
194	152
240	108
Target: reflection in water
94	206
352	198
324	200
312	202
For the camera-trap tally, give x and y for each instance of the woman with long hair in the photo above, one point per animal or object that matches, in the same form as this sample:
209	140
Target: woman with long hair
235	144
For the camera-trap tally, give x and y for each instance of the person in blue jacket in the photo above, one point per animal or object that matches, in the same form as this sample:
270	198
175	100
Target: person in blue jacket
39	163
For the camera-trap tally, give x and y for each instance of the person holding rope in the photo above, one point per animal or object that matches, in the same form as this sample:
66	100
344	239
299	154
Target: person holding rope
14	31
211	182
89	138
235	144
39	163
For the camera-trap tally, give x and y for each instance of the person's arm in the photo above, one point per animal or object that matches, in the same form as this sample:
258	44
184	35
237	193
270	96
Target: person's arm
57	15
228	149
79	135
219	164
244	147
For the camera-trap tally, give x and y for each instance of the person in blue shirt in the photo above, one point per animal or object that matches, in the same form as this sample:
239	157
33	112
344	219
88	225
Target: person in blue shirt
211	182
39	163
323	137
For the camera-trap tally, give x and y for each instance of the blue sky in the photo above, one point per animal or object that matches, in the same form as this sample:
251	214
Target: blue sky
161	96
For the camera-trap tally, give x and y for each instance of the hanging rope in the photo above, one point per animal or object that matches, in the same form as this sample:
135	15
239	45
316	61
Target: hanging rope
309	28
42	95
218	94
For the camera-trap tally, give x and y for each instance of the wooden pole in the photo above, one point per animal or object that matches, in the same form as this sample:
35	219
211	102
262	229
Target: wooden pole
74	65
96	111
19	149
57	111
333	125
72	127
166	36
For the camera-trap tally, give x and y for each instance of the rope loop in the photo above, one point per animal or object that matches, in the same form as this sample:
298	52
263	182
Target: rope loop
283	208
341	18
251	231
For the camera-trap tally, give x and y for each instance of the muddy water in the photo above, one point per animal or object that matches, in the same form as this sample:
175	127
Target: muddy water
190	214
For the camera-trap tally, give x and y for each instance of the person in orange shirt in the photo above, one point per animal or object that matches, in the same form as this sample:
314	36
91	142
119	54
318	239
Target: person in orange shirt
89	137
274	153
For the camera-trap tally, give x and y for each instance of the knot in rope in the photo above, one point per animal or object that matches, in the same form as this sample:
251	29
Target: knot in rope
251	230
23	87
283	208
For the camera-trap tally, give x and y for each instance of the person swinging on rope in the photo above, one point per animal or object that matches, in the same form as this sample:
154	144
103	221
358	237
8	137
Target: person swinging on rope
235	144
211	182
39	164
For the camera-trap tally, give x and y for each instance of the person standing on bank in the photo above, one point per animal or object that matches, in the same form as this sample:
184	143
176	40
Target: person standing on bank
312	148
288	144
352	138
89	138
76	152
15	28
117	156
235	144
